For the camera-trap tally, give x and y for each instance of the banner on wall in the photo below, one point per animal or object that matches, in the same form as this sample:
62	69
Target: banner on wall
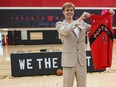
57	3
34	18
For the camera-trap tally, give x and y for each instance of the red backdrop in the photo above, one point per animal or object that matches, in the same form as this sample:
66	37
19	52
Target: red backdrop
57	3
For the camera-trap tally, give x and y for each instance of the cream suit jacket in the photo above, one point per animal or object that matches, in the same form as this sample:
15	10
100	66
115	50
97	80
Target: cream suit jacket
73	46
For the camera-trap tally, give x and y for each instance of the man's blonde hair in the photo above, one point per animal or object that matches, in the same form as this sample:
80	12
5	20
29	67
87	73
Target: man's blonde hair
67	5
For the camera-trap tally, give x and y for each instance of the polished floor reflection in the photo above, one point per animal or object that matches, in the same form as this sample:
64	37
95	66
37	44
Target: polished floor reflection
95	79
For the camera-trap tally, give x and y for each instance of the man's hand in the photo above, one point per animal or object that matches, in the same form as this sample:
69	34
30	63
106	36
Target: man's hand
85	15
112	12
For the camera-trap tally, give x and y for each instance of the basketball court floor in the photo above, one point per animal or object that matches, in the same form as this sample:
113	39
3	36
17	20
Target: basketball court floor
94	79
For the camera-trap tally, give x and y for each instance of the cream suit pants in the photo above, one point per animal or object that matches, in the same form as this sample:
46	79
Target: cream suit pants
79	72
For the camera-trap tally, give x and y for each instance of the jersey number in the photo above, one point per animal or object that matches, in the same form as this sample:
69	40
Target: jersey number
104	39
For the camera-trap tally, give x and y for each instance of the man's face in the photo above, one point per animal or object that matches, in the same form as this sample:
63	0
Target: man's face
68	13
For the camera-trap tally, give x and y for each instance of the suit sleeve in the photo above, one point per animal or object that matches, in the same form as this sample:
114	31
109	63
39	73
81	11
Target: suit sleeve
84	25
64	29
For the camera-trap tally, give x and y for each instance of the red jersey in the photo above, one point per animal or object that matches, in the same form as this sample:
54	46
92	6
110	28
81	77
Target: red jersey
101	40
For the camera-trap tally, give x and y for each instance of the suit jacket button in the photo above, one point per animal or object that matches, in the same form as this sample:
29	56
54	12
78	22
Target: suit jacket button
77	49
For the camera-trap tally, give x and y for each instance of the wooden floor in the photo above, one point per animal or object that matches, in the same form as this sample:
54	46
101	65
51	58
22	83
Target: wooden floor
95	79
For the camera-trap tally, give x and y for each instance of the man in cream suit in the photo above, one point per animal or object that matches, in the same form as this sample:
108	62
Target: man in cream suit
72	34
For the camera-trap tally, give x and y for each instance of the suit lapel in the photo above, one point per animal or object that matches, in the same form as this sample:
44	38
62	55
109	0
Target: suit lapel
80	31
74	33
76	38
